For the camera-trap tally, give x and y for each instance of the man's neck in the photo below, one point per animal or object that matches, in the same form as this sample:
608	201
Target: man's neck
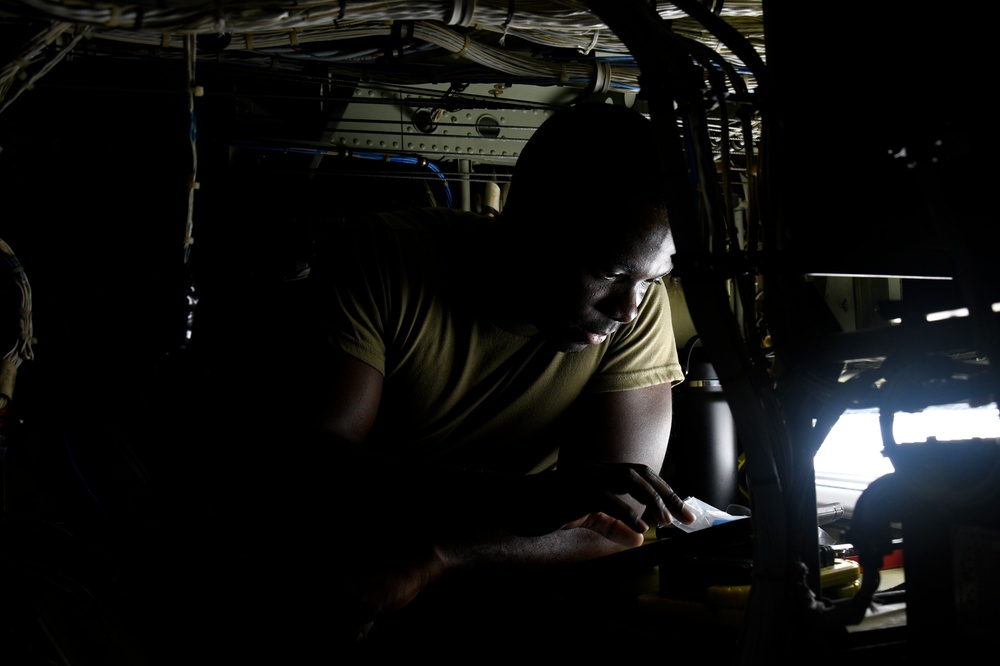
508	297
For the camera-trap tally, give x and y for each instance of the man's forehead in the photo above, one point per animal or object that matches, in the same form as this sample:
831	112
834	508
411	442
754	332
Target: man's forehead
646	229
634	252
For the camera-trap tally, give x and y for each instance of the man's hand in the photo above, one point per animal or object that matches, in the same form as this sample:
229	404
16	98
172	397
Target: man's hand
610	528
608	498
391	586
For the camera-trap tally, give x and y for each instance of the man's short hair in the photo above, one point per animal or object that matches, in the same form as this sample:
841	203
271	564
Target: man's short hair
591	154
588	169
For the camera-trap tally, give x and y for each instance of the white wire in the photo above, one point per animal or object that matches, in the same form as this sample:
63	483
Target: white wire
22	349
14	76
557	23
189	53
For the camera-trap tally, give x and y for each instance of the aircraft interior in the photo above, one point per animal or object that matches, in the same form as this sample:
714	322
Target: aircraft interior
168	166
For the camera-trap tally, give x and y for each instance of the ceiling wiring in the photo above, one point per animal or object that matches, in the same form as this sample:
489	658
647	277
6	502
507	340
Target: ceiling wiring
329	30
35	60
565	23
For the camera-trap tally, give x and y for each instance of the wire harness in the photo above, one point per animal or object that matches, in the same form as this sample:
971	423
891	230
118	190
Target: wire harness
22	349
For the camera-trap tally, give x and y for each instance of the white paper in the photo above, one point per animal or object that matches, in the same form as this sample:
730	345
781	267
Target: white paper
705	515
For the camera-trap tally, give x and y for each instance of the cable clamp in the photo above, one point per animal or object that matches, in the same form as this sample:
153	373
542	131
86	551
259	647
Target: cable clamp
8	376
462	12
602	76
400	33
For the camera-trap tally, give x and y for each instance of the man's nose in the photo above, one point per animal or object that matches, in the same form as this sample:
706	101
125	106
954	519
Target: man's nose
623	304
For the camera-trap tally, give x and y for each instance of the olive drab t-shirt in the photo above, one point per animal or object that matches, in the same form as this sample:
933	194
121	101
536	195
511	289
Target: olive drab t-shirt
460	387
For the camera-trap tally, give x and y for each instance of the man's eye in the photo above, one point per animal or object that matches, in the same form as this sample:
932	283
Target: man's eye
614	277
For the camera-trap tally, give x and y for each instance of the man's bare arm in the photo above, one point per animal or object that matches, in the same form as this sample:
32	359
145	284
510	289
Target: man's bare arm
411	525
614	446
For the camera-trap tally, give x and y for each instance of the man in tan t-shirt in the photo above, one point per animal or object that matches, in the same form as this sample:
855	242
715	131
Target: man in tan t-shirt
467	351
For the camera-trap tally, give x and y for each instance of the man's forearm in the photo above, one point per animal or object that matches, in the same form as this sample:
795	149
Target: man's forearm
496	549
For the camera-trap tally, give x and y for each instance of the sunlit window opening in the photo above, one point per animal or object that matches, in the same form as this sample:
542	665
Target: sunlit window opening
947	314
851	456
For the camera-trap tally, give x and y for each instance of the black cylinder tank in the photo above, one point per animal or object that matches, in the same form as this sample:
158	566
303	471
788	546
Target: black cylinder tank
702	454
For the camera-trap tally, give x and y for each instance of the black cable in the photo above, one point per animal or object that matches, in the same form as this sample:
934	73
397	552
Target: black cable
728	35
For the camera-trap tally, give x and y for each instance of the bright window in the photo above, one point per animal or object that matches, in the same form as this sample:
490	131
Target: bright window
851	456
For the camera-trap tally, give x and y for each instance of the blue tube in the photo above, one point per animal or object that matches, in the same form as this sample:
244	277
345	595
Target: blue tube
401	159
408	159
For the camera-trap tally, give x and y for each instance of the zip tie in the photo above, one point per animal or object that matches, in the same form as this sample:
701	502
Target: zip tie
602	77
165	41
462	12
116	14
563	78
465	49
293	38
248	40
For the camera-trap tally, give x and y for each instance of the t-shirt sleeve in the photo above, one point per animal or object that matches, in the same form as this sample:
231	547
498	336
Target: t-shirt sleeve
643	353
357	302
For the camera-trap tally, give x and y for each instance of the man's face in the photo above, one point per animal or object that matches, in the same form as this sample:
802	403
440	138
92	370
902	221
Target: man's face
600	285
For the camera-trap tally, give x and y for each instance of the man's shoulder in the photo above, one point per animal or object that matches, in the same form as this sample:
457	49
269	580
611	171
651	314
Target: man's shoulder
398	235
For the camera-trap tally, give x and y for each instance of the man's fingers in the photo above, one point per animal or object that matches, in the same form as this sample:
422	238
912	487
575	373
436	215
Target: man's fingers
613	529
618	509
657	493
364	629
615	489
